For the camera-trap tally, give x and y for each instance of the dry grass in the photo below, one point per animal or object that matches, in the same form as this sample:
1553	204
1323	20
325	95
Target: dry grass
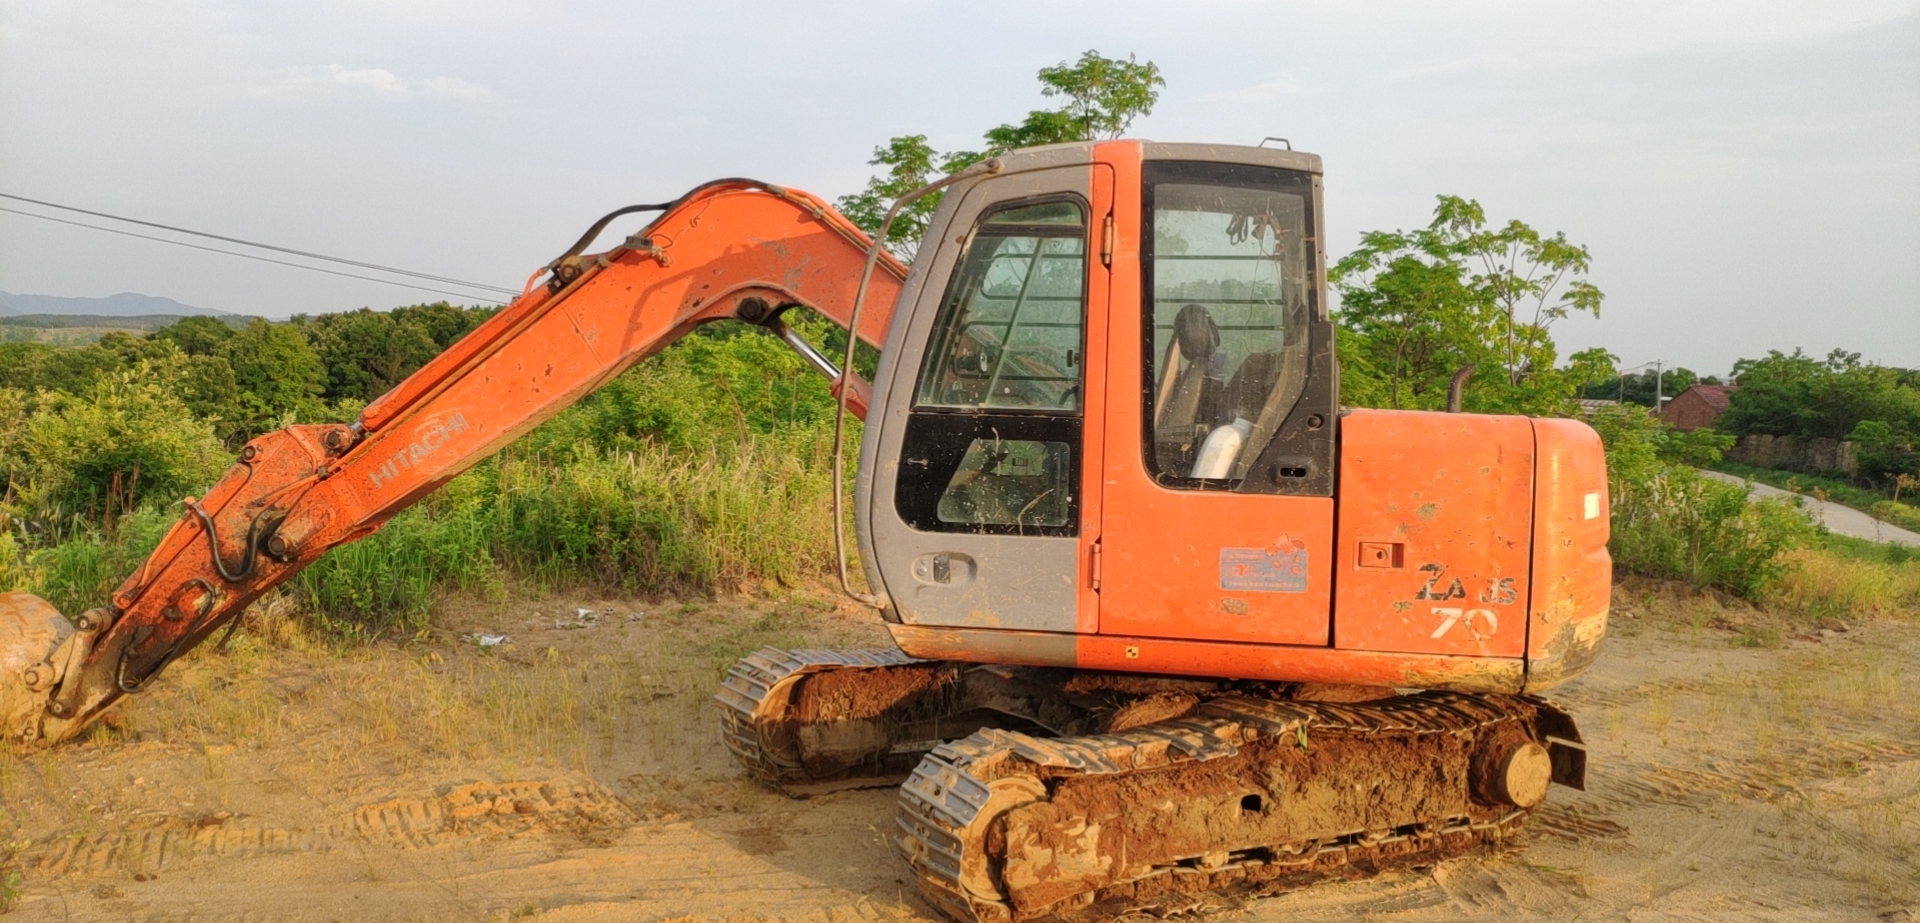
1823	584
626	703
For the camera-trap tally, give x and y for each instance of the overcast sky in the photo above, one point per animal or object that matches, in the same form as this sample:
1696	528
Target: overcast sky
1746	174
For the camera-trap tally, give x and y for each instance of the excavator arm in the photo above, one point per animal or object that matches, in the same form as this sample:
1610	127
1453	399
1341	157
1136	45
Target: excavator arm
735	249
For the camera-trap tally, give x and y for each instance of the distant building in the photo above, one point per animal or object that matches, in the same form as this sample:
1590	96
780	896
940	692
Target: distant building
1591	406
1697	407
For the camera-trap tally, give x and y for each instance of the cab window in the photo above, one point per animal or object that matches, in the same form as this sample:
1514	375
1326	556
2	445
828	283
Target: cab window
1009	334
1227	269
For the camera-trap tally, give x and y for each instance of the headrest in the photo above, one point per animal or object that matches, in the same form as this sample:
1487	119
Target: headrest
1194	330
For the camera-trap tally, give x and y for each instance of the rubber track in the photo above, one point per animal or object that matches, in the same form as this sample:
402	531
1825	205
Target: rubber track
745	691
950	786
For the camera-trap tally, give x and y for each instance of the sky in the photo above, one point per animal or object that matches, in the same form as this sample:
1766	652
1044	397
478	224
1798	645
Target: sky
1746	175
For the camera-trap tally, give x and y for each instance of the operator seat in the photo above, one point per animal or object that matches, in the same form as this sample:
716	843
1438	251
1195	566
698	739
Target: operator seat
1188	396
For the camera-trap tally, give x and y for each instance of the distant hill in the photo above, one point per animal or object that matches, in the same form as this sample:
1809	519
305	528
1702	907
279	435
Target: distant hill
125	304
105	321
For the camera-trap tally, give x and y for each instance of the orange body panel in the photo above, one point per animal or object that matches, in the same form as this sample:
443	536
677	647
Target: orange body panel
1163	551
1572	572
1220	659
1435	533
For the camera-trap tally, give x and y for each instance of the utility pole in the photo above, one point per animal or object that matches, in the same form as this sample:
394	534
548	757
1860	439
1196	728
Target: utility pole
1658	400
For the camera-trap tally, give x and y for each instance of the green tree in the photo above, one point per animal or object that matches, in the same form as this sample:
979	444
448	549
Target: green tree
1405	304
1798	395
1459	293
443	323
1518	272
278	373
36	366
910	163
1101	96
367	352
196	336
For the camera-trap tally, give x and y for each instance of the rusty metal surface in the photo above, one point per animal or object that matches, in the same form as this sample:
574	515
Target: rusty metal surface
1003	826
758	685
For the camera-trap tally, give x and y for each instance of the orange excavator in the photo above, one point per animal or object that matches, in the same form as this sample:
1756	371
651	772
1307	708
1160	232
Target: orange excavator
1169	619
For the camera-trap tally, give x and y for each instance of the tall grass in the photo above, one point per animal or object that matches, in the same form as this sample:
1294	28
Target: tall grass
644	518
1678	525
1851	578
82	572
704	468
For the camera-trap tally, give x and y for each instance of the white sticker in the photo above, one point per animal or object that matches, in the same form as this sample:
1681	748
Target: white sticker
1593	505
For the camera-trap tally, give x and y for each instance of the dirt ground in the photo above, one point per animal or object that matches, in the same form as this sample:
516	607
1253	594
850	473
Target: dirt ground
575	775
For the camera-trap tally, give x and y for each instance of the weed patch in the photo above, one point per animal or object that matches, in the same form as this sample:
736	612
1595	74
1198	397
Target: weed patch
1850	579
11	883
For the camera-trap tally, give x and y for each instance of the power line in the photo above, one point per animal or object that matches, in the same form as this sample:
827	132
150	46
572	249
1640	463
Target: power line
247	256
250	243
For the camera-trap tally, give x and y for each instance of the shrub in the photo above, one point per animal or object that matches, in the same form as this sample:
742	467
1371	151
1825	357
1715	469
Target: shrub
127	440
15	573
1679	525
1669	521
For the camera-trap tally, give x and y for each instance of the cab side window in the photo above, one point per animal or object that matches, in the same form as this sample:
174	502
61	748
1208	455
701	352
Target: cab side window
993	442
1010	330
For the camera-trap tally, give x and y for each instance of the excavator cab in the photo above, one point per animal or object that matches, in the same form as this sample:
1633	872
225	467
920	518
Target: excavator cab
1105	434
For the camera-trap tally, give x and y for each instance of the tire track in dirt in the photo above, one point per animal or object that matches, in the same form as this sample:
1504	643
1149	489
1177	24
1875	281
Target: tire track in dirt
484	811
477	811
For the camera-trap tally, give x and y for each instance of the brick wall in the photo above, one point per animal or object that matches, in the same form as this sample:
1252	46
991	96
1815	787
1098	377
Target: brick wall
1795	454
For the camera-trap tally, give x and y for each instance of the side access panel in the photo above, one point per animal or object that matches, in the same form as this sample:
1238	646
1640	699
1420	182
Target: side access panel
1572	571
1435	533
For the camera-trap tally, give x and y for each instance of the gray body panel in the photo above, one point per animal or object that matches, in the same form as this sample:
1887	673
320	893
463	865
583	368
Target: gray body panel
994	581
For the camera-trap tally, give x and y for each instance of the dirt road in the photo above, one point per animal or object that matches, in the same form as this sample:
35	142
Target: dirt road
574	776
1840	520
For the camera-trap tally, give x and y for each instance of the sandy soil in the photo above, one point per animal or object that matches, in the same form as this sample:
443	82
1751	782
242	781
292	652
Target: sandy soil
574	775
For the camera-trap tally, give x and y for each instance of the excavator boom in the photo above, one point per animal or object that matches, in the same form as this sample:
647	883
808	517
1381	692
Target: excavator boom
729	249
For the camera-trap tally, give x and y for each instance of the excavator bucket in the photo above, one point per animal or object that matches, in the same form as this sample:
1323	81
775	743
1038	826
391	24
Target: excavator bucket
30	629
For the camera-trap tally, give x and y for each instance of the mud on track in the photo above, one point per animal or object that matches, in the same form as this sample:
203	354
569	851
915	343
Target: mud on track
577	776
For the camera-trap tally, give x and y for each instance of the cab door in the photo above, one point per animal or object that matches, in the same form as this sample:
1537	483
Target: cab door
984	484
1209	529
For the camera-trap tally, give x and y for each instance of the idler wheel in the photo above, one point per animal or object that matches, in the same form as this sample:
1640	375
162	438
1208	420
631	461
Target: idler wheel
976	866
1515	773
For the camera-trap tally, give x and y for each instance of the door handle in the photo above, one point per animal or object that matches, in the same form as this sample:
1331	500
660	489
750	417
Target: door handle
944	568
